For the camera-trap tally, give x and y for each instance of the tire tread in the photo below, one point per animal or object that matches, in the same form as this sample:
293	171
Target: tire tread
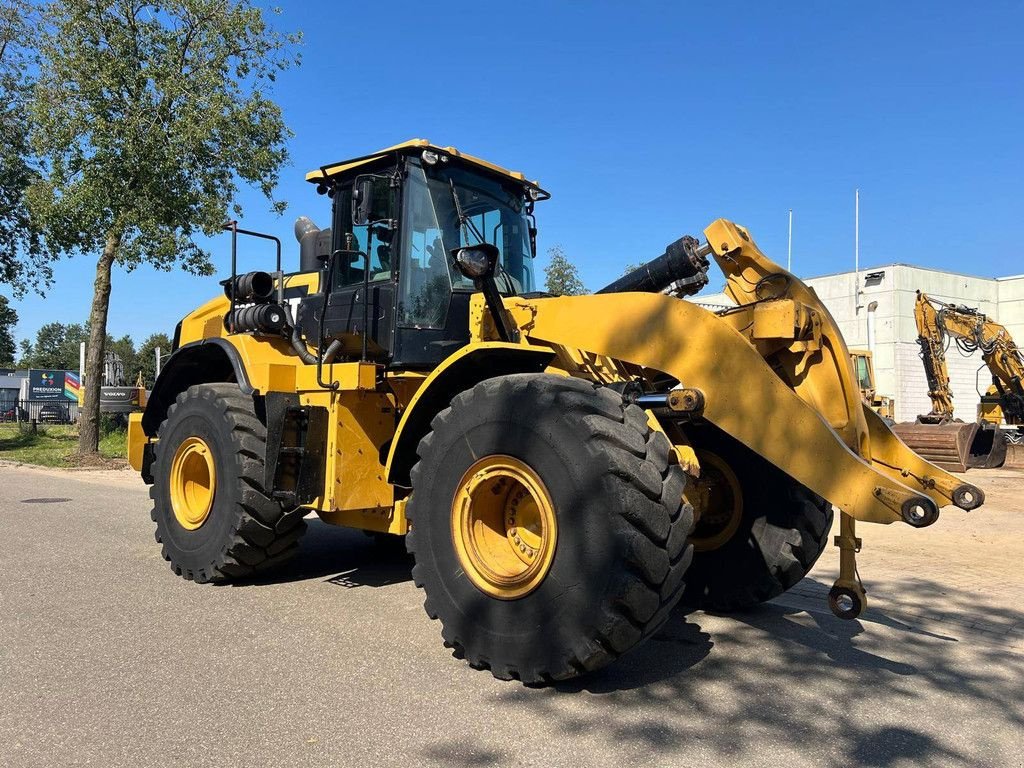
263	533
651	516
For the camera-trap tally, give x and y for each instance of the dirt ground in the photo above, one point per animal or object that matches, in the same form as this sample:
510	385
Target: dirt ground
965	571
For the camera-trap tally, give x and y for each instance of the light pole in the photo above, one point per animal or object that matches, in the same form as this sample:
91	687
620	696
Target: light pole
789	250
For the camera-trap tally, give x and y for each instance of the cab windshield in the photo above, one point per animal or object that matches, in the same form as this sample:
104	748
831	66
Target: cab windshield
447	207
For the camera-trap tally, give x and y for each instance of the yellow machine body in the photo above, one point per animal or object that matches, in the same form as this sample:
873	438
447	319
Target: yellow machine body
773	373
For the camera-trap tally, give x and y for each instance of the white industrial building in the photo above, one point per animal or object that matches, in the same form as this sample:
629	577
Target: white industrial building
881	319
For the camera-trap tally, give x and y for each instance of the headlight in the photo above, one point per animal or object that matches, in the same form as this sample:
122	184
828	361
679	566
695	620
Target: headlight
477	261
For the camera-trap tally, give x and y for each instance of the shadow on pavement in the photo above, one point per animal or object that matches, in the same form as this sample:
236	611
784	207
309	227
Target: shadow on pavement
906	684
344	557
785	681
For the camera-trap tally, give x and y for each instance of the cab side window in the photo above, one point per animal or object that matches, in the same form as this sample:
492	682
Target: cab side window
349	269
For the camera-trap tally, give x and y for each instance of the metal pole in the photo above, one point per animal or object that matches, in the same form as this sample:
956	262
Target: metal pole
157	352
81	362
856	251
789	251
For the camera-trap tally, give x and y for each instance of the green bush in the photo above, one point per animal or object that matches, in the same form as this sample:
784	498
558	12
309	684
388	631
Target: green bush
113	422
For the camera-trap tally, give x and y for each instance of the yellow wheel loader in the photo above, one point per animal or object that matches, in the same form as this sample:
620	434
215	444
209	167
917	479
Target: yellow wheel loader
864	368
565	469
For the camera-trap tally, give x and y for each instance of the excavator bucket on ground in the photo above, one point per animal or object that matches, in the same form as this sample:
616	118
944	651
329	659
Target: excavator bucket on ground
1014	449
956	446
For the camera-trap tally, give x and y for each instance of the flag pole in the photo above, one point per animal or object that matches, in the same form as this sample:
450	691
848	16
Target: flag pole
789	251
856	251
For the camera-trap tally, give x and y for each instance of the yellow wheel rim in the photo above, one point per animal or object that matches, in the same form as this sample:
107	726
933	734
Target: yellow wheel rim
503	527
717	499
193	483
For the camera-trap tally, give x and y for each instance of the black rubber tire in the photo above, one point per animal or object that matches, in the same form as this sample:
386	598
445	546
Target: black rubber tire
784	529
622	548
247	531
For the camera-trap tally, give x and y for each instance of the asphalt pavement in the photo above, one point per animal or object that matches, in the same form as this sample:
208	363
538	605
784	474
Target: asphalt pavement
107	658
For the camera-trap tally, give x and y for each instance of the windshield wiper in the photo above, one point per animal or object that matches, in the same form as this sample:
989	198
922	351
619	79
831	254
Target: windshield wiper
464	220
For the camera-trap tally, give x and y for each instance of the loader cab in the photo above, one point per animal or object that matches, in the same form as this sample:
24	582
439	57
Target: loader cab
401	214
864	368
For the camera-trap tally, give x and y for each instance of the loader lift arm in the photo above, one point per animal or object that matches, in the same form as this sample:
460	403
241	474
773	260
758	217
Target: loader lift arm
778	353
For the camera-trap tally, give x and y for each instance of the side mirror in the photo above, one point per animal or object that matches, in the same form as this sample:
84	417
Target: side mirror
477	262
362	201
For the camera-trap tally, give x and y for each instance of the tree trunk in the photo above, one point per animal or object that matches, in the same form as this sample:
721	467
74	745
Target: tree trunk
89	419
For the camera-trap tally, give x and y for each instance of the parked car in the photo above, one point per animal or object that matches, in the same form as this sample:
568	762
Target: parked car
14	413
54	413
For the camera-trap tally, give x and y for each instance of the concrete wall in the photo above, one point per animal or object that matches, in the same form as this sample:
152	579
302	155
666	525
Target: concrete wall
1011	306
892	291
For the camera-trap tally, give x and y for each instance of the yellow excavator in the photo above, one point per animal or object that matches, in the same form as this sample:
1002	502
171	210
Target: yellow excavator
565	469
995	437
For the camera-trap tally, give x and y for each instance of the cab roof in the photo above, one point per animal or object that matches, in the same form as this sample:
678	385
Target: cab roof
411	147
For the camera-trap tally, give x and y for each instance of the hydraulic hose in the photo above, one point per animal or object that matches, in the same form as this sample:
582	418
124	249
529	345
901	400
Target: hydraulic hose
298	344
332	351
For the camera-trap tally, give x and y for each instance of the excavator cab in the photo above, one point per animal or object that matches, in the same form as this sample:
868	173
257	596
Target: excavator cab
397	219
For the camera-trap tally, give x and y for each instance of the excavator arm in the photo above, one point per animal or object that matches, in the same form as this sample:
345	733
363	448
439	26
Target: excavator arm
932	340
973	330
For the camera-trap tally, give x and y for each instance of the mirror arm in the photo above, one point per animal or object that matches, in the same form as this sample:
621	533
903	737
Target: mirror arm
506	331
366	297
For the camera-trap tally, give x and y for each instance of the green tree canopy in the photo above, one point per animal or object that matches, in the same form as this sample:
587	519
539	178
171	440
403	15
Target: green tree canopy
147	117
56	346
8	319
561	276
145	358
22	262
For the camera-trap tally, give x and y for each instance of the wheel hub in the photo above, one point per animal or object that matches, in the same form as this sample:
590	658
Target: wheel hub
717	498
503	527
193	483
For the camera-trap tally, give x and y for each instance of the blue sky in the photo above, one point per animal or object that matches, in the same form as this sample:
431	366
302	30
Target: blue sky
648	120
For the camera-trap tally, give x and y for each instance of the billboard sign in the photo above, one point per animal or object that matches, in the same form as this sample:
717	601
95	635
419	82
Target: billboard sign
52	385
72	386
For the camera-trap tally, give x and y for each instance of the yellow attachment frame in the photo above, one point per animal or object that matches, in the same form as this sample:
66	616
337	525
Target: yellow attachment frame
776	376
